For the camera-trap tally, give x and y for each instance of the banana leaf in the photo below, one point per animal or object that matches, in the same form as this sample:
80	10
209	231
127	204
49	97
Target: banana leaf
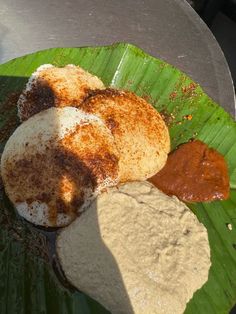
30	279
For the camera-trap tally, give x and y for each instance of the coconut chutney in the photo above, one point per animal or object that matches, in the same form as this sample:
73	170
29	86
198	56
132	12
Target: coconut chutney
136	250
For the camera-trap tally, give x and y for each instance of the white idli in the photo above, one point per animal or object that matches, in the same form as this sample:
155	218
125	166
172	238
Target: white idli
141	136
55	161
51	86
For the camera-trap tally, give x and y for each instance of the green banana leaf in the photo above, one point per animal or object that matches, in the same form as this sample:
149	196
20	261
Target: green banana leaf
30	280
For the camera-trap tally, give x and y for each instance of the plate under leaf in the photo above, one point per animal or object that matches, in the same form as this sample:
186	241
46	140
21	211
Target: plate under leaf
28	283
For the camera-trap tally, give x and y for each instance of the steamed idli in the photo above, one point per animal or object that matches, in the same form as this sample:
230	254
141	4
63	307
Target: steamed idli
141	136
55	162
52	86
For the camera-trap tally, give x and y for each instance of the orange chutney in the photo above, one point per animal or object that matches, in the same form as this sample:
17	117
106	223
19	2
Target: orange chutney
194	173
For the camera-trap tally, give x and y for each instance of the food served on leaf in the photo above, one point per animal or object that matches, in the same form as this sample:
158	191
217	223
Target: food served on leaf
141	136
136	250
55	162
52	86
194	173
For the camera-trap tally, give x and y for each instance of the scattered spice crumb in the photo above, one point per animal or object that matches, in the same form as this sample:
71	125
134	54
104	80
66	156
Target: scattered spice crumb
148	98
10	102
11	120
167	117
189	88
173	95
188	117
